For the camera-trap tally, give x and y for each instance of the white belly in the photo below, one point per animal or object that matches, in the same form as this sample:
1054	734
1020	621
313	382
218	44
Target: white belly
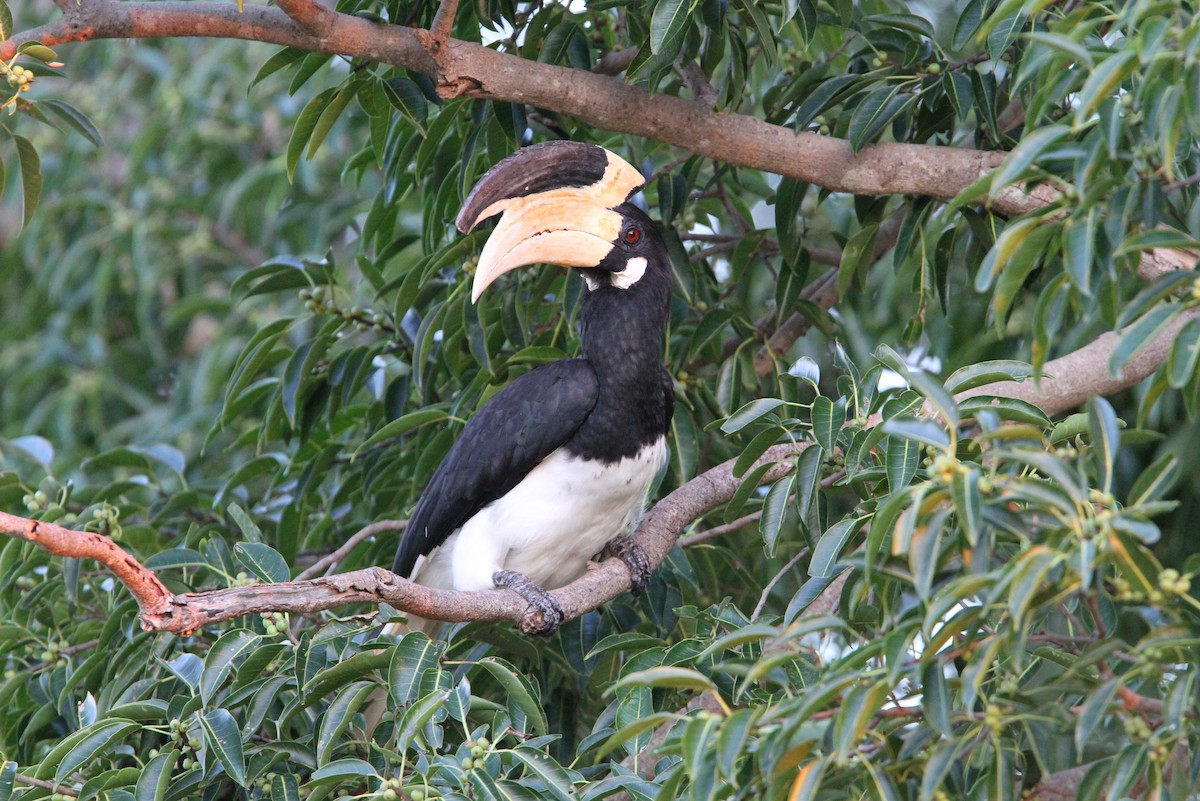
547	527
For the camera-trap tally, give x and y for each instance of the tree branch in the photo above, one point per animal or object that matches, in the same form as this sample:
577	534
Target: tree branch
1071	379
162	611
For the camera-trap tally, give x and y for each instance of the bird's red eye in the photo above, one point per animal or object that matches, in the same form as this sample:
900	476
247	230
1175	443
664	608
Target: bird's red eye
633	235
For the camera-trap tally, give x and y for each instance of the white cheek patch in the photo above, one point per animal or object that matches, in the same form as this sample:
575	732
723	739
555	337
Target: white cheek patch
592	282
635	268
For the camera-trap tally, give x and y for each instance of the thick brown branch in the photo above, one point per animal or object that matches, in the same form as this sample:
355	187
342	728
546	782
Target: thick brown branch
308	14
150	593
464	68
1071	379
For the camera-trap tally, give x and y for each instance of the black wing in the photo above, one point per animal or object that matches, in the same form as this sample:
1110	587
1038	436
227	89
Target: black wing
515	430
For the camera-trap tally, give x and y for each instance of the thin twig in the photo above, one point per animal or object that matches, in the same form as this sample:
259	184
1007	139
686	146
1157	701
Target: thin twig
332	560
45	785
762	599
717	531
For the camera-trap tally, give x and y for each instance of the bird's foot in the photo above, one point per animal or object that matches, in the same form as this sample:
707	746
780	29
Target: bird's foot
635	558
547	616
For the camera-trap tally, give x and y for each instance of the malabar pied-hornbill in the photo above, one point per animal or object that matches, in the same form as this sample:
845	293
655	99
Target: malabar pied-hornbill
556	466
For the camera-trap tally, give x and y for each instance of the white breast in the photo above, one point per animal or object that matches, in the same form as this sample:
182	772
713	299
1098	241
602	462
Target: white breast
547	527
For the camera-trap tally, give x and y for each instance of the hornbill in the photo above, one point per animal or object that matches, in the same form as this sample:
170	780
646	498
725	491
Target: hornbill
556	466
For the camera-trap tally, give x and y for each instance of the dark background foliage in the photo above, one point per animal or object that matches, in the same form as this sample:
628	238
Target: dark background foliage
239	330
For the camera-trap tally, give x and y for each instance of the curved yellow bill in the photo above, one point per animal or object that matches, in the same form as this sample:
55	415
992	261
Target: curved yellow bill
564	227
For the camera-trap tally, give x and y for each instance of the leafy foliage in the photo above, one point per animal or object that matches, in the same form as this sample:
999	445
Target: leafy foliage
240	330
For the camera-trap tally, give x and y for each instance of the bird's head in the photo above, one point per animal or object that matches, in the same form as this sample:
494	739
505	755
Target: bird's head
563	203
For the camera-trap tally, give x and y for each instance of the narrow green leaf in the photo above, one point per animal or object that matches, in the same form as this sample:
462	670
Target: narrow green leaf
667	24
75	119
337	717
1155	481
1136	337
830	546
903	457
926	432
935	697
859	704
519	689
987	372
6	31
1185	350
1026	153
230	648
416	716
414	656
1006	245
639	725
680	678
402	425
406	97
341	770
1092	711
249	528
306	122
224	739
968	23
555	781
31	175
876	112
1103	83
285	787
1105	431
968	503
92	742
330	115
749	413
774	510
827	420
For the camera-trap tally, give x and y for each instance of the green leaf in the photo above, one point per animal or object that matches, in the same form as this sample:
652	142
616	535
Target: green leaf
555	781
968	23
749	413
341	770
987	372
6	31
903	457
1105	431
416	716
230	648
1006	245
859	704
38	51
827	420
1185	351
639	725
925	432
337	717
667	25
330	115
1138	336
285	787
968	503
876	112
263	561
1155	481
90	743
31	175
414	656
244	522
1103	82
519	690
224	739
773	512
407	98
8	770
306	123
680	678
830	546
1025	153
74	118
402	425
1092	711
